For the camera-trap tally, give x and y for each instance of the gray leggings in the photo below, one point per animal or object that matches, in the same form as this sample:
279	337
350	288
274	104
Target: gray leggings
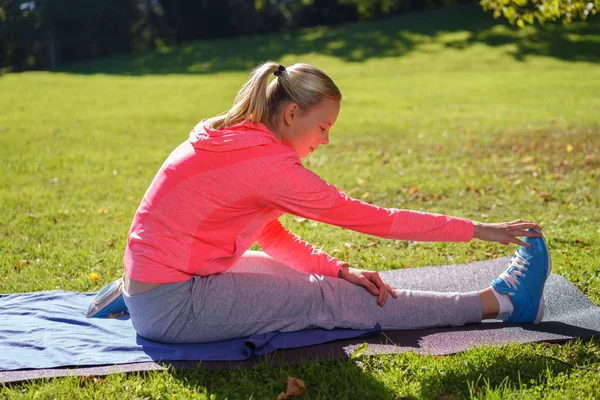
260	294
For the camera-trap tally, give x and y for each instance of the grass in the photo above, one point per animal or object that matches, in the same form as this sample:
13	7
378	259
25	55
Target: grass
445	111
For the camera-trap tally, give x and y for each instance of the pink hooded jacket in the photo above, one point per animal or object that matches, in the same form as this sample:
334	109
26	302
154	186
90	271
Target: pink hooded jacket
222	190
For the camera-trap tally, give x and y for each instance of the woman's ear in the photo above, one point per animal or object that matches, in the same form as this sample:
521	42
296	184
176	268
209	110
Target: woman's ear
290	113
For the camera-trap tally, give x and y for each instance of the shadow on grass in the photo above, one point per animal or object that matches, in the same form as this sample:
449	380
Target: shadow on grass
359	42
323	378
274	366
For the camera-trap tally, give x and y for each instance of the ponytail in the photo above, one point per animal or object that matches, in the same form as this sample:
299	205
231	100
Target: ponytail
256	101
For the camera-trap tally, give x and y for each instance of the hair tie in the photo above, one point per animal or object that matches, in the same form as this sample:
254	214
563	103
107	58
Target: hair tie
279	71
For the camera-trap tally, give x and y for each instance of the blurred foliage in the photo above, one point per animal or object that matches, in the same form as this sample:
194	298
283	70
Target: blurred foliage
369	9
523	12
46	34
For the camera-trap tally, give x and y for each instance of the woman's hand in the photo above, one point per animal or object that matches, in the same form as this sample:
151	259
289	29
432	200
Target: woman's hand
506	232
371	281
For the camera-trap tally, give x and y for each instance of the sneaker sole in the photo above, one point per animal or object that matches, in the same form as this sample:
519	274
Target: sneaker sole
540	313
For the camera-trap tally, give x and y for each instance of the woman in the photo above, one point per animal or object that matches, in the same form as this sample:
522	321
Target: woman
189	276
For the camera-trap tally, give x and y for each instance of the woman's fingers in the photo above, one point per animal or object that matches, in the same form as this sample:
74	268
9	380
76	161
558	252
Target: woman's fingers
514	232
521	224
530	234
384	289
369	286
392	291
381	287
373	284
519	242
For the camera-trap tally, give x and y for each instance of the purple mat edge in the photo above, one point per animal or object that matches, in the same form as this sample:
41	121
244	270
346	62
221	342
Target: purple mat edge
336	350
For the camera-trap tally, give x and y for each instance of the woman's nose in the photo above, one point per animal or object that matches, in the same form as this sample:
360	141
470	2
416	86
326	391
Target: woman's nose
325	138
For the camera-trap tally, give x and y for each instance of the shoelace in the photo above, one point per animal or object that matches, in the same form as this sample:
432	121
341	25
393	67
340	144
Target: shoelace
515	269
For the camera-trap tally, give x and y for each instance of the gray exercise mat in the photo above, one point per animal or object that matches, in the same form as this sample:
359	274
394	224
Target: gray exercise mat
568	315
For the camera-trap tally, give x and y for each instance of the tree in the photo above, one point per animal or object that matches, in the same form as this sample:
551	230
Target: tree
521	12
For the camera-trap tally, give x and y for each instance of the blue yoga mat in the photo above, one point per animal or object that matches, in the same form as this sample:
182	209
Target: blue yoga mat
49	329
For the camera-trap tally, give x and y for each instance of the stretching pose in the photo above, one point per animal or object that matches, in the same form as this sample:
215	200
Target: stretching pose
189	276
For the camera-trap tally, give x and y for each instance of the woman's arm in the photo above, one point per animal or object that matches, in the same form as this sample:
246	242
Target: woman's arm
290	249
290	187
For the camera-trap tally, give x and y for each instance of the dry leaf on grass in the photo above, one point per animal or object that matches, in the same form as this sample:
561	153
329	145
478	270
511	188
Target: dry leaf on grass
89	378
295	387
20	263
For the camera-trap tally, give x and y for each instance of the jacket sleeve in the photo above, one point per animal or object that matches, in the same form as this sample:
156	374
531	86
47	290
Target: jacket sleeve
291	188
284	246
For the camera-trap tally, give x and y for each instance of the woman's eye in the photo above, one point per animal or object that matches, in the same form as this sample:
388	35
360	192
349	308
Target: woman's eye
323	129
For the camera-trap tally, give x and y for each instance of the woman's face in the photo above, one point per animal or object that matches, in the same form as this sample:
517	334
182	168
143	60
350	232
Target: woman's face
305	131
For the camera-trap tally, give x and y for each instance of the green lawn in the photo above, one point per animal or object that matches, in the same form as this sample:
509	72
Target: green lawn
447	111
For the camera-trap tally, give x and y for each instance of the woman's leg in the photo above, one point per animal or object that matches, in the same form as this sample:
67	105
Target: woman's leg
237	304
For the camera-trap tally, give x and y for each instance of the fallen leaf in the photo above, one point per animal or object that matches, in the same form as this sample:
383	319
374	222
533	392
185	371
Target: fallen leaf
300	220
413	190
282	396
103	210
110	244
569	148
32	216
360	181
87	378
295	387
579	240
20	263
545	196
349	245
131	198
94	277
90	378
365	196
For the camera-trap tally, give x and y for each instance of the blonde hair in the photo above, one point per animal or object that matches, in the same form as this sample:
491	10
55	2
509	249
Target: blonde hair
303	84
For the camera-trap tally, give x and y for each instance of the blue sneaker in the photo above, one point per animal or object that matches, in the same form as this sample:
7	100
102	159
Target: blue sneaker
524	281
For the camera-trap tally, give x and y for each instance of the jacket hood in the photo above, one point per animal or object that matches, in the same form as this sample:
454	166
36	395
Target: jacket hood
239	136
